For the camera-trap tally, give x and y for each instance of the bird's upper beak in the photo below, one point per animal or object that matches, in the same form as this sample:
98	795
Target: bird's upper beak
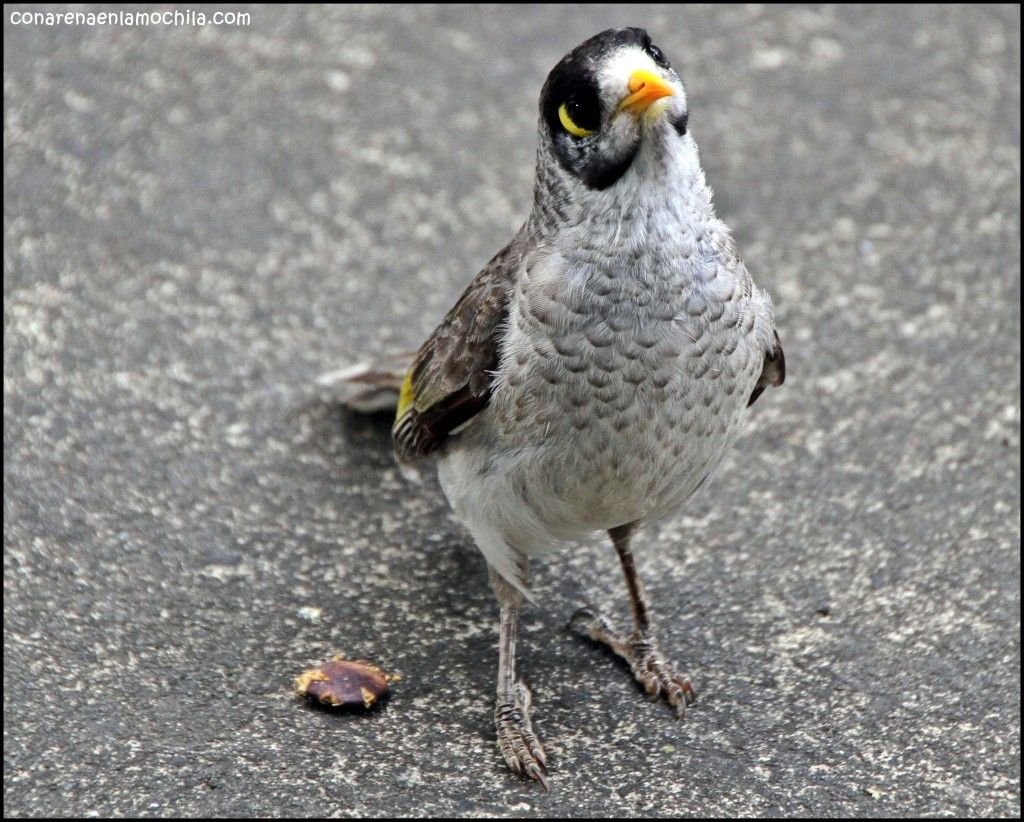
645	88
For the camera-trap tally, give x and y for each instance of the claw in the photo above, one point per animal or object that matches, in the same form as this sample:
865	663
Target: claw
517	741
680	694
642	654
581	617
535	772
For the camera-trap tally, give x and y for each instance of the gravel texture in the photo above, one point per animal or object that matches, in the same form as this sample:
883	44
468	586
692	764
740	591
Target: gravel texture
198	221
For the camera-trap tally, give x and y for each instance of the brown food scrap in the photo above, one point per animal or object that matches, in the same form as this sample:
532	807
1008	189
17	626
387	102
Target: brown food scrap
344	683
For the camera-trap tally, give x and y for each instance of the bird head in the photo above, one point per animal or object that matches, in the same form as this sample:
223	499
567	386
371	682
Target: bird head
604	99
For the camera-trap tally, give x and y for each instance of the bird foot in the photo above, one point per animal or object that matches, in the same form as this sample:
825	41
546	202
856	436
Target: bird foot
516	739
643	656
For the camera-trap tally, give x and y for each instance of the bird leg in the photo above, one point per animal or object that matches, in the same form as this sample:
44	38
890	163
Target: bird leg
516	739
639	649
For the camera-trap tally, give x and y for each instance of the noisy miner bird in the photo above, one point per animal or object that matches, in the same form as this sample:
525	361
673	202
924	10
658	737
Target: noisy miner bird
593	374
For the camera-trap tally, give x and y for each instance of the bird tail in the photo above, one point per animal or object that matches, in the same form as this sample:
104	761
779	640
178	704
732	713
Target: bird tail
371	386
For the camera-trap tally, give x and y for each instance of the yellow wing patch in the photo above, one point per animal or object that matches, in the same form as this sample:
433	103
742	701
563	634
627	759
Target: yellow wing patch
406	397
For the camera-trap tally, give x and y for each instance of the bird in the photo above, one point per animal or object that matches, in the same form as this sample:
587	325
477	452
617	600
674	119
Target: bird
593	374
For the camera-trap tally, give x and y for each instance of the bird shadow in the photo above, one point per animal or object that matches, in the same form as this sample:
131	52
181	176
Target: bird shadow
332	430
456	579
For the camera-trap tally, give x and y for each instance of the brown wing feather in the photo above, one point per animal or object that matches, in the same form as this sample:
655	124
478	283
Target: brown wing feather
450	379
773	372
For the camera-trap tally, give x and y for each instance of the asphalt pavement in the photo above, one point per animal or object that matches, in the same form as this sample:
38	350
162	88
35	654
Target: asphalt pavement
200	220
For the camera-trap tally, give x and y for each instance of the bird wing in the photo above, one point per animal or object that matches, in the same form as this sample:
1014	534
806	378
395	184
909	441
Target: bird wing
773	372
450	379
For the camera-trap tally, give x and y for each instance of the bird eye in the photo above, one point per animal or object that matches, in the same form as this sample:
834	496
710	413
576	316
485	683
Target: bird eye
571	114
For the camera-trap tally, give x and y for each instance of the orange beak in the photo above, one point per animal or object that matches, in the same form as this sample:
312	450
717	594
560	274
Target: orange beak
645	88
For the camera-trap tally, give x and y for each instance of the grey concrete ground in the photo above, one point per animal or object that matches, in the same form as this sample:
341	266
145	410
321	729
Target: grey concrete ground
199	221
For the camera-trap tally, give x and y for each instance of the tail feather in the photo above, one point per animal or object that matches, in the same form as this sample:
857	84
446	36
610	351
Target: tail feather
369	387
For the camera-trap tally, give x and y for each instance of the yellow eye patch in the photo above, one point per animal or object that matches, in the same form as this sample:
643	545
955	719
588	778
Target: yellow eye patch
569	125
